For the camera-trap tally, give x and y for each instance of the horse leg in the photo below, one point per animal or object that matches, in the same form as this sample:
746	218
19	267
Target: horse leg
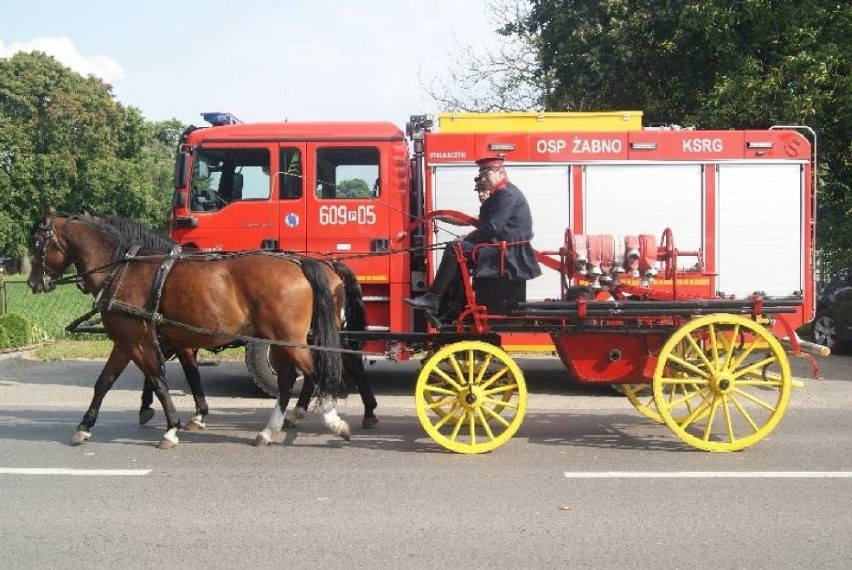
189	362
353	367
328	407
115	365
148	361
328	402
292	417
146	412
286	373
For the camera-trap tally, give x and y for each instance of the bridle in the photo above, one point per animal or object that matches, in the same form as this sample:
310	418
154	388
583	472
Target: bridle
44	238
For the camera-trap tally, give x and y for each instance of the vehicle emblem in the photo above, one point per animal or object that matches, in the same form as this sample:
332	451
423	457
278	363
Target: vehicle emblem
291	220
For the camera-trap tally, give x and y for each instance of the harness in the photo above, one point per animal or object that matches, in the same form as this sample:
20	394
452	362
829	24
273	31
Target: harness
106	302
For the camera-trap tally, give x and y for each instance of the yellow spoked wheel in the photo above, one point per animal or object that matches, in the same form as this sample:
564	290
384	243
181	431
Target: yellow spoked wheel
470	397
722	382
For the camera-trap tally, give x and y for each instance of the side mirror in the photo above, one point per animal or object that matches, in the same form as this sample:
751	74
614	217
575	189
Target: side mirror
178	199
182	170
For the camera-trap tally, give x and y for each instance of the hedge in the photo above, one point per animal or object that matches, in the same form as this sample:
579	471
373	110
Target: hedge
15	331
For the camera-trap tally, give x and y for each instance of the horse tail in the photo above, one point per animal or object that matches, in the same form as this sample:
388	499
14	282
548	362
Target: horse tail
355	320
354	314
328	367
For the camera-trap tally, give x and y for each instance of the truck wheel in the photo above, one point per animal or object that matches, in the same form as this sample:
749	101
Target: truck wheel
262	373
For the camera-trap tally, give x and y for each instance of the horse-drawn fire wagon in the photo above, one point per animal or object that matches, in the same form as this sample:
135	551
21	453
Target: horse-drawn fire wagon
690	328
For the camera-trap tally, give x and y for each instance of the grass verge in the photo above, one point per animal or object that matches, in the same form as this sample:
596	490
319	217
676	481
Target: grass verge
100	349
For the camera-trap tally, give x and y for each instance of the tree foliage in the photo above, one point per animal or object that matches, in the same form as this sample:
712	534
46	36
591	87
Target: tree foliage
353	188
65	141
709	63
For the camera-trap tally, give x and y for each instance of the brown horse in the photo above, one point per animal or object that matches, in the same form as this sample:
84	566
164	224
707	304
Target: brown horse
250	295
346	293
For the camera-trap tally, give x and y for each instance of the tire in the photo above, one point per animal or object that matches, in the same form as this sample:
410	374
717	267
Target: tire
262	373
825	330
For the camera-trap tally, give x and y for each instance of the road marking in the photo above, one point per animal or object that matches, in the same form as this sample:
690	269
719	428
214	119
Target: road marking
85	472
708	474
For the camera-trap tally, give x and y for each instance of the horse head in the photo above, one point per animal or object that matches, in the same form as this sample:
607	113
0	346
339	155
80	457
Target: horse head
84	240
50	252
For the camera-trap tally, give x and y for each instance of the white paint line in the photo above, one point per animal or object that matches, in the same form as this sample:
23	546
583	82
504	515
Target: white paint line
708	474
85	472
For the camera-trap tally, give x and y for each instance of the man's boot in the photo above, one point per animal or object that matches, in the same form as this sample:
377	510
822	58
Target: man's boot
428	302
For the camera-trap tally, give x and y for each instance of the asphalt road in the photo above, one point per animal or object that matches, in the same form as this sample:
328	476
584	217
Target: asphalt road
587	482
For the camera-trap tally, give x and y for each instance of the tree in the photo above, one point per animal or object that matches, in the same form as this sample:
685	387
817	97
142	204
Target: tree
502	77
709	63
353	188
65	141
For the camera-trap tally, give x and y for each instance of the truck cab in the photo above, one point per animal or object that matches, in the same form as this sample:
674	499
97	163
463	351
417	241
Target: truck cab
328	190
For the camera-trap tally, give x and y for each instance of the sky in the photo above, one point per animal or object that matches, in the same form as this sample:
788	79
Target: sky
262	60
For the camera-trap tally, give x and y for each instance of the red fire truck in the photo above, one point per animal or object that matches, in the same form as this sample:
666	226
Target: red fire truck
741	201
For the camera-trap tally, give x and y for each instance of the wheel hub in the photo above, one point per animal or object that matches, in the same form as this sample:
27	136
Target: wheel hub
473	397
722	382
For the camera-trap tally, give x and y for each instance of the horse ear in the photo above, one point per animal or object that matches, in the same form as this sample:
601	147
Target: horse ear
47	211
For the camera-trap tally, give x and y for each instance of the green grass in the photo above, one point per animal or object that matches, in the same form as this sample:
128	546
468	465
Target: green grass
72	349
50	312
100	349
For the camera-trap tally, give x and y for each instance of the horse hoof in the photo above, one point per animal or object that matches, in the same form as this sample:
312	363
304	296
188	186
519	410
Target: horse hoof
262	440
166	443
343	431
369	422
80	437
195	425
145	416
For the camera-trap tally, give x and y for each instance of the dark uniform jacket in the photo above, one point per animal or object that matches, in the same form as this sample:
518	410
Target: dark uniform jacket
505	216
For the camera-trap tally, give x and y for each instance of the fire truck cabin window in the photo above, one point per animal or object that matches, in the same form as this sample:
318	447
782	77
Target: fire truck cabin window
347	173
223	176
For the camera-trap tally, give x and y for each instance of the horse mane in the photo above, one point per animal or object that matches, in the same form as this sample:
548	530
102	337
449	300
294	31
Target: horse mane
132	233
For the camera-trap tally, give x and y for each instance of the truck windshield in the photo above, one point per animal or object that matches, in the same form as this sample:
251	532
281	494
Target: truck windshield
222	176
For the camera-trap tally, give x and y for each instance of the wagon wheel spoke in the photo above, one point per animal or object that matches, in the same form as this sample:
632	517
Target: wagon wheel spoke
448	416
744	413
495	377
440	390
495	416
690	367
446	378
711	416
501	389
703	357
755	400
458	425
642	398
754	367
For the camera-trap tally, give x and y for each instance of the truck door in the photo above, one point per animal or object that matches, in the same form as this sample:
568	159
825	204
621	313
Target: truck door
345	217
231	199
290	189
